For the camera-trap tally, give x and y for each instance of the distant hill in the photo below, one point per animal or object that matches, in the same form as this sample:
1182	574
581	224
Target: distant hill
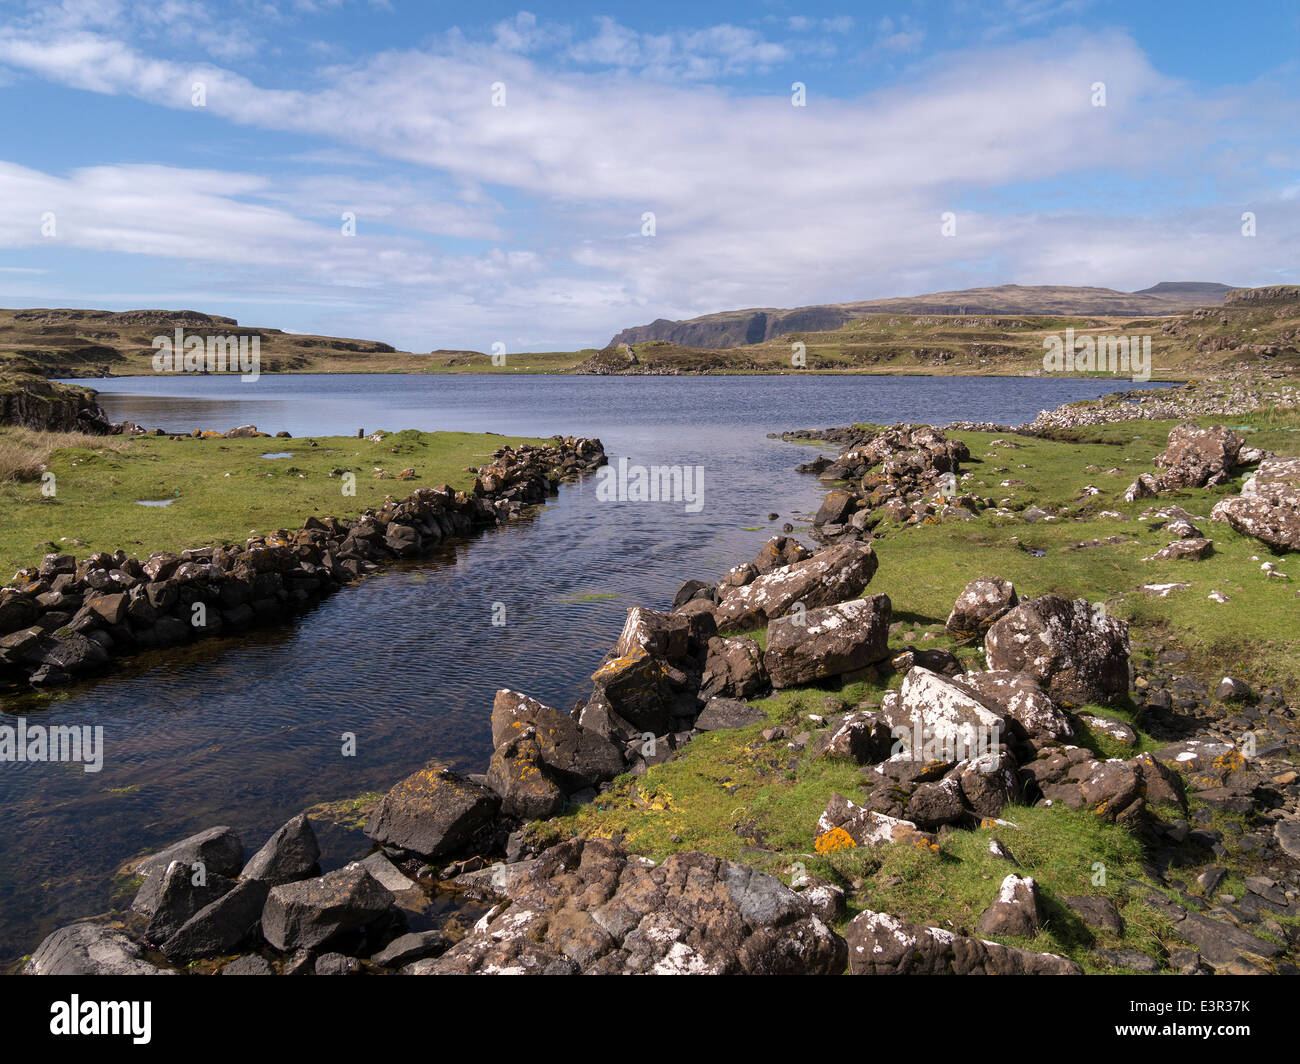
735	328
66	342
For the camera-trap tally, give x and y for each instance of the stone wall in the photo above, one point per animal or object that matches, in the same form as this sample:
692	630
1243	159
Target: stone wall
67	618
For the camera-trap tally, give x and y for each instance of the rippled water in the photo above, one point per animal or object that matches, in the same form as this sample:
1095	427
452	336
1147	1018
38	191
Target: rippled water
247	731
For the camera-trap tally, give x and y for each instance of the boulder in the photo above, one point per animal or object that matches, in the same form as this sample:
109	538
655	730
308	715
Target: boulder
1198	457
1268	508
722	713
861	737
635	686
864	827
934	804
828	641
310	912
220	927
411	947
664	636
217	849
1076	653
291	853
733	668
387	873
691	590
950	720
432	812
778	552
1026	702
597	715
337	964
68	651
89	949
585	906
1017	910
835	508
988	783
829	576
983	601
518	773
1230	689
1193	550
1110	789
575	756
183	891
880	944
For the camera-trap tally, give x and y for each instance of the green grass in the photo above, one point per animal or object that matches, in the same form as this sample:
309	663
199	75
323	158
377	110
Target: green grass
1257	632
223	491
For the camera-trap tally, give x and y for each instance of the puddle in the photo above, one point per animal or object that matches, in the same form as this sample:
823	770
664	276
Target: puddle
154	502
278	454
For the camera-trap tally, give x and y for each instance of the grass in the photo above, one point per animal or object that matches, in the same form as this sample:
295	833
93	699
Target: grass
222	491
25	453
1257	632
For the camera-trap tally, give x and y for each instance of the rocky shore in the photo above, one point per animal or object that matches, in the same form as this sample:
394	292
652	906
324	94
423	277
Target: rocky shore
1049	720
67	618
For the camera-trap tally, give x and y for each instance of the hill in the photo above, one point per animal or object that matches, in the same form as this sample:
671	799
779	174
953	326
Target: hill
733	328
96	343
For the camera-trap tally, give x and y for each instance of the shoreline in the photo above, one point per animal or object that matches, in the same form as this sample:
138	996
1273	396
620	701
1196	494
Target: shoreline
554	780
62	620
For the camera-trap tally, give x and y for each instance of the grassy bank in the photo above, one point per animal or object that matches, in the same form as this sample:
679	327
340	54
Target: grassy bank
216	490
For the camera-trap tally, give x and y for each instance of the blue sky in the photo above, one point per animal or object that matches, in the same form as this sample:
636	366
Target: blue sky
522	223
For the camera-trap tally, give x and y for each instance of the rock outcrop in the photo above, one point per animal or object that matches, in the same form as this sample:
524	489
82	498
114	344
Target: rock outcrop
585	906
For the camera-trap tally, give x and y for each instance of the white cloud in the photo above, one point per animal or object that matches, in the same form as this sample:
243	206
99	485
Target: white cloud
756	202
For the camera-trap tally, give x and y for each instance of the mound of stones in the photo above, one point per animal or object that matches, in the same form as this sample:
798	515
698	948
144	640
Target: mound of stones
66	618
907	473
1223	398
200	899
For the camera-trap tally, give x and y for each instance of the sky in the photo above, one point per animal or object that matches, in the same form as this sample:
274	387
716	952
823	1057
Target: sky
443	176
